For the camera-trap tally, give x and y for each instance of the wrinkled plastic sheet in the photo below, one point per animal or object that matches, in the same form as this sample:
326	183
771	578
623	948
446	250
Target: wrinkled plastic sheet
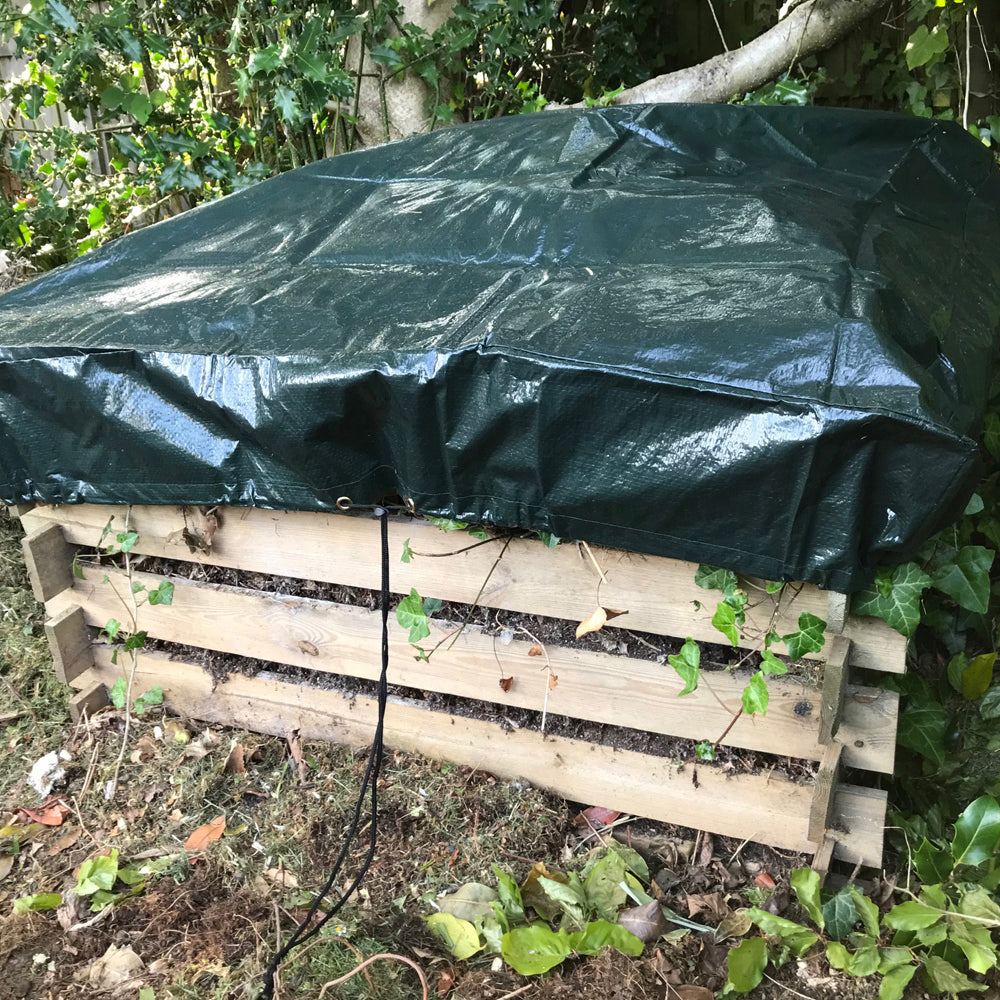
753	337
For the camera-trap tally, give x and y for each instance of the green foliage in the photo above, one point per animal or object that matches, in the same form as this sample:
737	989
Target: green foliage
686	663
730	618
947	929
99	876
586	905
38	902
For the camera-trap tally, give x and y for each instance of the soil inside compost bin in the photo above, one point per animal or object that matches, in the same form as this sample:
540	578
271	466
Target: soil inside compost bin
505	625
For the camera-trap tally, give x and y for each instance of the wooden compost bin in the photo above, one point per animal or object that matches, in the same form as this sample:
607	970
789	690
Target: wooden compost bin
818	715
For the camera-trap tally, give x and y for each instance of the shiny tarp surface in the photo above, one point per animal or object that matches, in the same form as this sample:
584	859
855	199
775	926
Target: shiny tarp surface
753	337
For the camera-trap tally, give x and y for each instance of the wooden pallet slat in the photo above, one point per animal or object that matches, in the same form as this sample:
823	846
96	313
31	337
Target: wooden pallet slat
823	718
757	807
659	594
596	686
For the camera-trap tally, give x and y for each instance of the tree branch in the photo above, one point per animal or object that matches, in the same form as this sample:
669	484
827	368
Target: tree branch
811	27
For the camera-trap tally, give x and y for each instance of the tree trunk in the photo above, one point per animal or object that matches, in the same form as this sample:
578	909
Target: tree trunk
811	27
389	108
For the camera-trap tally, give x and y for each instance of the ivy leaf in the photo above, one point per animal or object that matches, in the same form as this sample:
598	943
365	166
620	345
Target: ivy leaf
840	914
549	540
932	864
977	832
922	728
989	707
410	614
117	693
967	579
901	607
974	506
112	628
510	896
686	663
407	552
770	664
724	620
164	593
714	578
459	936
773	586
448	523
534	949
755	695
745	964
809	638
991	436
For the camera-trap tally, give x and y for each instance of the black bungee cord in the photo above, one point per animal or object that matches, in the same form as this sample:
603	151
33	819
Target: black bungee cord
370	780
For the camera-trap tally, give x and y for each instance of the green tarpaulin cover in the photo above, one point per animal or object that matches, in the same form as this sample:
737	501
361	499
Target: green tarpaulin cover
753	337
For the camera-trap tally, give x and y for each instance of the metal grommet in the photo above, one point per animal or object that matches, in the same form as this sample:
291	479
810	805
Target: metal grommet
344	503
410	505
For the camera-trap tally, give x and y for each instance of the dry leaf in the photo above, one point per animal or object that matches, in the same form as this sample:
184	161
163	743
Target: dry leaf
295	750
764	881
553	681
534	896
115	966
50	813
145	749
234	762
592	623
735	925
709	905
445	981
646	922
691	993
200	526
176	731
506	683
614	613
204	835
536	650
307	647
67	840
281	877
596	816
6	863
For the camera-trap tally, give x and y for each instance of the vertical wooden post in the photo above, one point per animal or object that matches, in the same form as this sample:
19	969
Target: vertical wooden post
49	559
834	687
69	643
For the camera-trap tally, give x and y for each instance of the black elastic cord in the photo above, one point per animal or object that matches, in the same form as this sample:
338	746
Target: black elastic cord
370	780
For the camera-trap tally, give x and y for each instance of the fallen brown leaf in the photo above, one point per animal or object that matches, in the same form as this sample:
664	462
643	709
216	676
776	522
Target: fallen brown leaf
295	751
553	681
281	877
445	981
764	880
66	841
709	905
646	922
691	993
535	650
50	813
234	762
594	622
736	924
506	683
204	835
596	816
6	863
533	895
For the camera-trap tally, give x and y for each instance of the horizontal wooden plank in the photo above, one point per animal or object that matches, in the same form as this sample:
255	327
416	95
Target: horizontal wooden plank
760	807
659	594
596	686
